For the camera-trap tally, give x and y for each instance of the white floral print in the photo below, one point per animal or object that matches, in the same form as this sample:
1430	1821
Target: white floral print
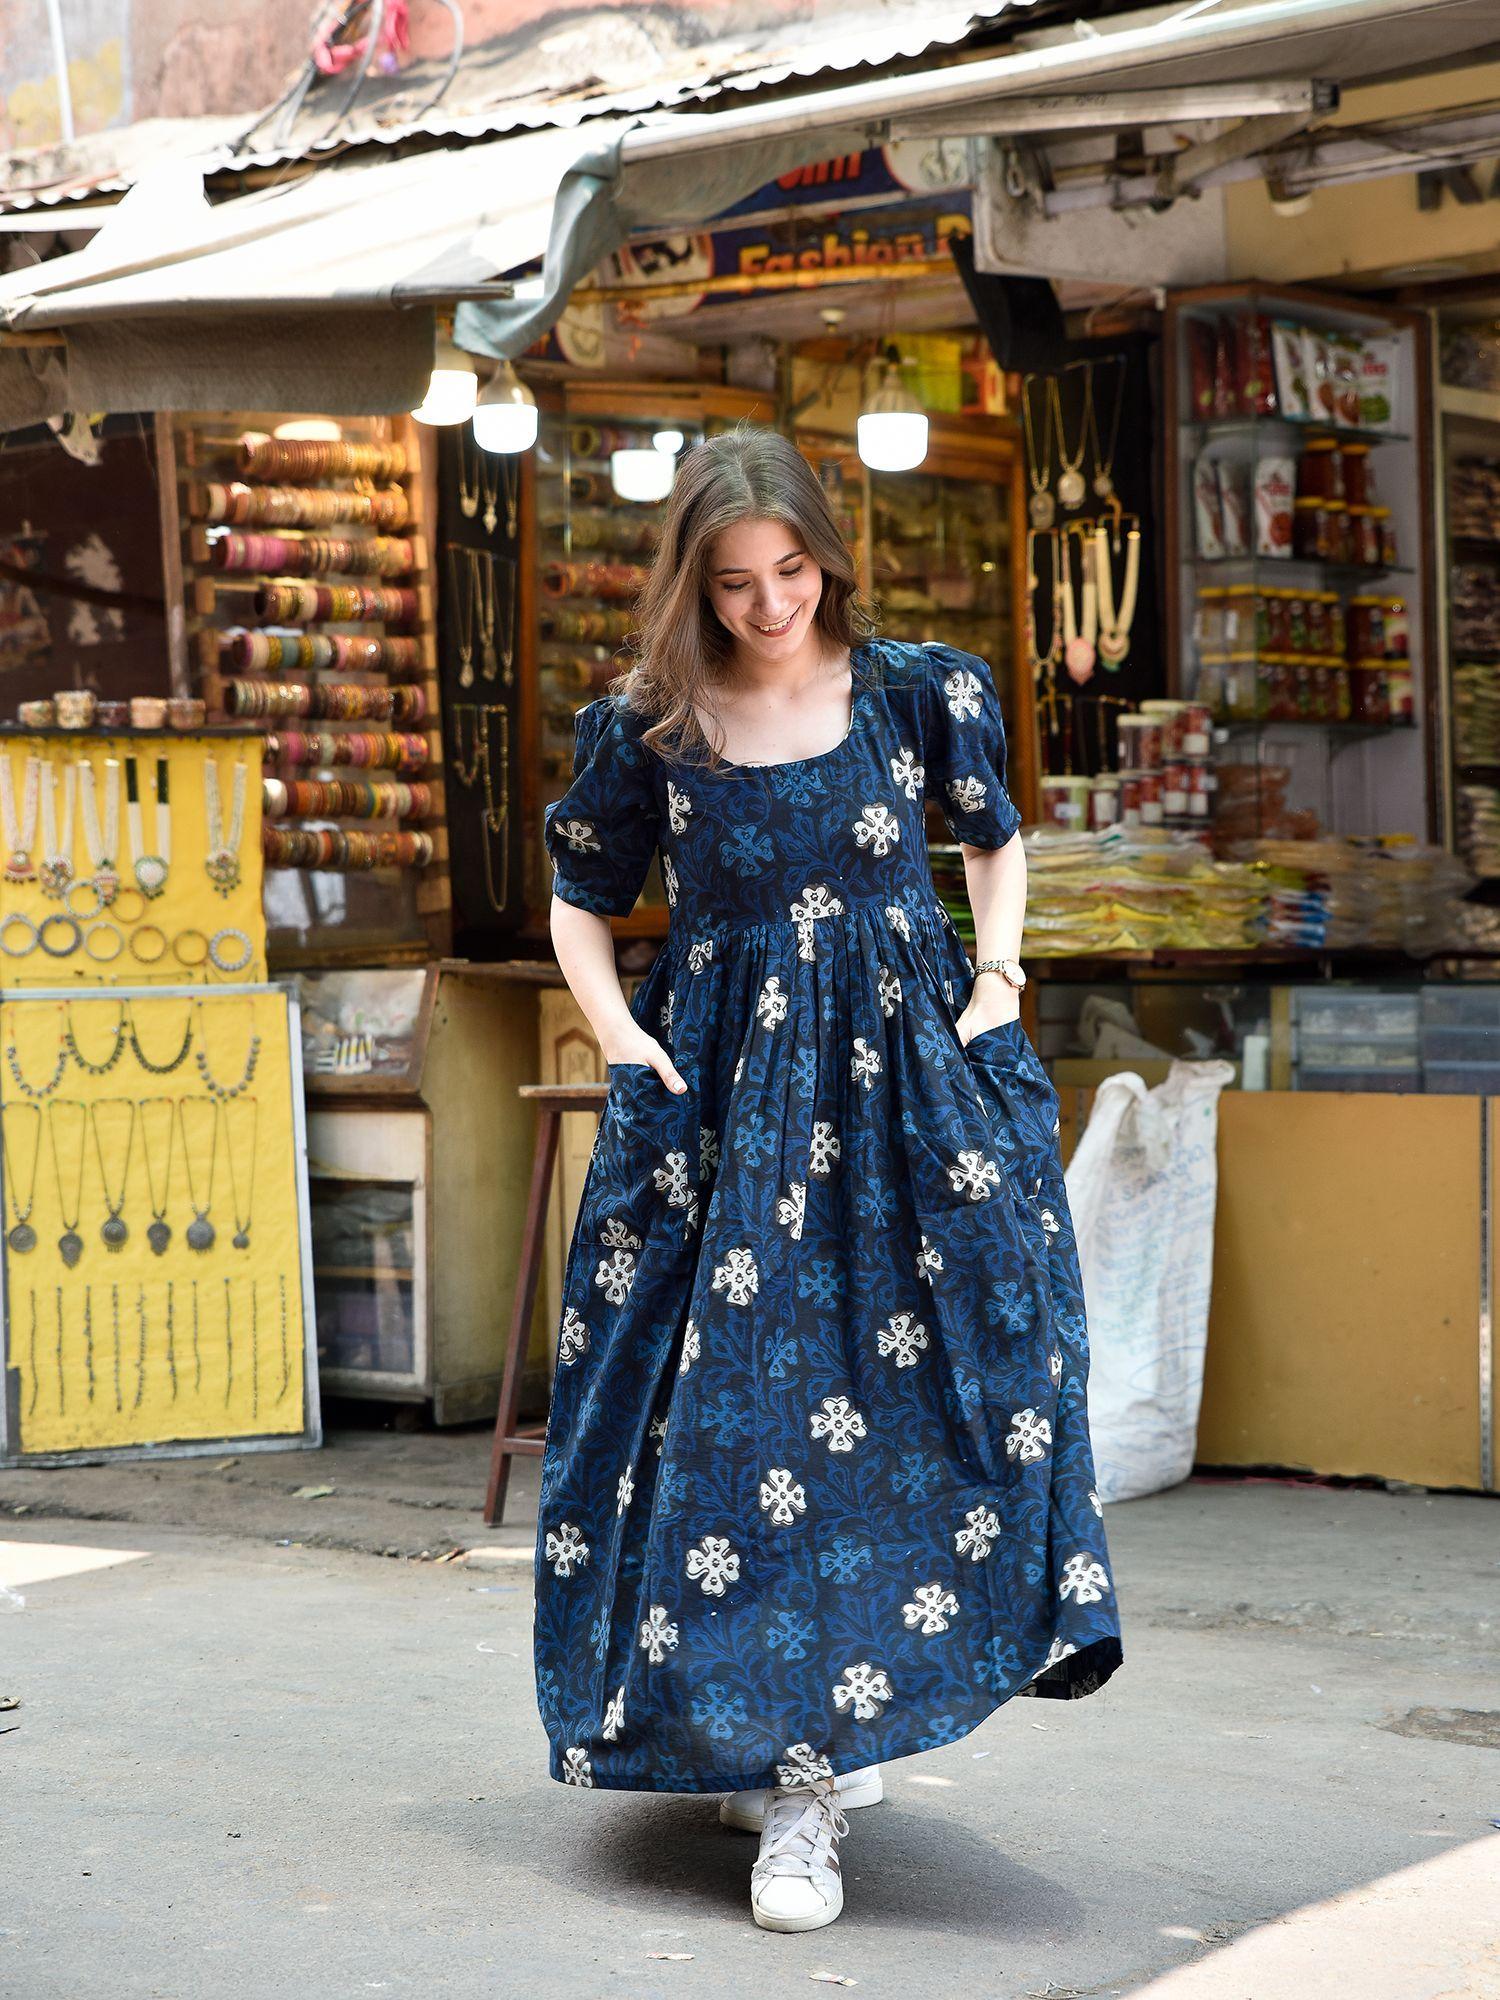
658	1635
864	1689
902	1339
932	1608
839	1422
782	1497
566	1549
713	1564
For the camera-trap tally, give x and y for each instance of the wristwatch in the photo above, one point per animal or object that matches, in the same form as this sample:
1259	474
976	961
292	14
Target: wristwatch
1010	970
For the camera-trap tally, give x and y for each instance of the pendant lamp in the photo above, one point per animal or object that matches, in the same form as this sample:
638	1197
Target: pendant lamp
892	427
452	388
505	416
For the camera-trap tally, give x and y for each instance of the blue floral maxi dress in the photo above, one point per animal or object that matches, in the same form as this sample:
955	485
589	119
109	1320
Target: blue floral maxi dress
818	1489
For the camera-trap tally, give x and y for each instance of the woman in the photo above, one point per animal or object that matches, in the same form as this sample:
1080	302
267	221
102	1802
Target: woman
818	1487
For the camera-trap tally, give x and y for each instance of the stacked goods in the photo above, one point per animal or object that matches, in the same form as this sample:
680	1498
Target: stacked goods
1479	828
1476	713
1370	894
1474	499
1252	805
1124	889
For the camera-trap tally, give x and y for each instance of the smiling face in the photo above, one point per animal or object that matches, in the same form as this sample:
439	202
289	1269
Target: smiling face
764	589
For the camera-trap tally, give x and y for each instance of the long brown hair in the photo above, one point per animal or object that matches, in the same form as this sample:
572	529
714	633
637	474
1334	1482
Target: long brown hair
681	649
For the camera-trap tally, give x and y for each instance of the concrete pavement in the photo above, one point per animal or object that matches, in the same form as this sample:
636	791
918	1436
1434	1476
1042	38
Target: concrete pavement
257	1770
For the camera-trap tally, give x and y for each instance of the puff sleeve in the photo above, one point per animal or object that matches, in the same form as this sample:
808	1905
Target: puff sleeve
963	747
601	835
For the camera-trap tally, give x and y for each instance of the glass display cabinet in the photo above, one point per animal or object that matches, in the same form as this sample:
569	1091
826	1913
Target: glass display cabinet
415	1145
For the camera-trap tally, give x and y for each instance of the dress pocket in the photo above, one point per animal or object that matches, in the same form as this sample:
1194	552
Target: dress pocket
646	1165
1011	1071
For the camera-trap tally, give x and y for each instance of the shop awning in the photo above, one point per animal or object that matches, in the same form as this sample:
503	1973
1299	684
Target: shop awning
284	298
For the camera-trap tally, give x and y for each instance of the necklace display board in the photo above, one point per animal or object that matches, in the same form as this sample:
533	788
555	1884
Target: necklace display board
305	564
130	859
483	498
157	1270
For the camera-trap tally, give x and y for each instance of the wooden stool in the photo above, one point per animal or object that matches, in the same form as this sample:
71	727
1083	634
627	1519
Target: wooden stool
551	1100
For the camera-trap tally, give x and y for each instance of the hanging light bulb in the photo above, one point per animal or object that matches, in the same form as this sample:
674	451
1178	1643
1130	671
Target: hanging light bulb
505	416
892	427
452	387
669	441
642	474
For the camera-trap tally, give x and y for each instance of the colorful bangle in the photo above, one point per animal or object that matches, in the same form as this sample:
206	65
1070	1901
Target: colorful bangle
144	931
177	944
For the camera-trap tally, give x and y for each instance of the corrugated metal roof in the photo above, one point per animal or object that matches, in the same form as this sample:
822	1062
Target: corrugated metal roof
592	66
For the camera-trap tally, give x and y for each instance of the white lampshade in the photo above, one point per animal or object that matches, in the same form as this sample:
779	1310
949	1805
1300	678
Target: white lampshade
505	416
891	433
452	387
642	474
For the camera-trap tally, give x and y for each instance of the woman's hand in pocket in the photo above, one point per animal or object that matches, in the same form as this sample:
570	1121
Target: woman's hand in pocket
634	1045
988	1010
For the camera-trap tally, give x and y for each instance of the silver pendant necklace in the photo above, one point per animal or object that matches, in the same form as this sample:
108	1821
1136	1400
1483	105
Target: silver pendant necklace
200	1231
21	1236
113	1229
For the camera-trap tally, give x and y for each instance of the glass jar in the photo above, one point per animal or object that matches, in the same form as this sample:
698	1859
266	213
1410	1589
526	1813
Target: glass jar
1065	803
1356	457
1239	615
1298	639
1239	686
1209	623
1389	557
1397	627
1400	694
1369	694
1338	671
1311	530
1104	801
1333	609
1339	541
1320	471
1364	535
1366	628
1316	611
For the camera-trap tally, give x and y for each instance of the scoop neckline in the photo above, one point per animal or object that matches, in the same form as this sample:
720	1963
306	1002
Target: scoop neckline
859	691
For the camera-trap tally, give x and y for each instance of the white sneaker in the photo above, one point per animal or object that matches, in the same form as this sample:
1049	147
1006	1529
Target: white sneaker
746	1811
796	1884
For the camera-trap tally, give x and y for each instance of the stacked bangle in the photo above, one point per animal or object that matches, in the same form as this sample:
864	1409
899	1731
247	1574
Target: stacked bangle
319	458
334	604
237	505
344	798
332	848
315	555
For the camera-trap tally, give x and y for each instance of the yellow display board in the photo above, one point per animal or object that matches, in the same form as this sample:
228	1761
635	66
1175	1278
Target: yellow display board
92	894
157	1274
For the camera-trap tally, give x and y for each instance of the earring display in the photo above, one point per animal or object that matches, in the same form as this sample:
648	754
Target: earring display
113	849
119	1195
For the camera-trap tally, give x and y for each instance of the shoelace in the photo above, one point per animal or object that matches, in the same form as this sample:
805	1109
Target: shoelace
800	1831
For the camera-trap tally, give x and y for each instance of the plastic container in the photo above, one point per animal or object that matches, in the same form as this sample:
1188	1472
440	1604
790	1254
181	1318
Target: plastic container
1065	803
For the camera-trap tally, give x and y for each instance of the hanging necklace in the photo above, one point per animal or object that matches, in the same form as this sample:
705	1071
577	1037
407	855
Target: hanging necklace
103	842
20	834
241	1237
28	1089
489	487
1104	462
223	862
157	1068
508	622
200	1231
21	1236
113	1229
150	870
468	497
1041	506
510	485
1071	485
159	1235
70	1243
70	1043
56	871
210	1081
1080	642
1115	621
482	590
461	586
